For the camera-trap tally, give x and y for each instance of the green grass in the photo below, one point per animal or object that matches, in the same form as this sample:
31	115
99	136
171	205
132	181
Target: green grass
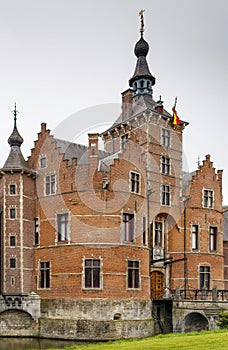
195	341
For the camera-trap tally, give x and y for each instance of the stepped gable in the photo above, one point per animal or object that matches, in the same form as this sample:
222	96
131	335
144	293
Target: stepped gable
74	150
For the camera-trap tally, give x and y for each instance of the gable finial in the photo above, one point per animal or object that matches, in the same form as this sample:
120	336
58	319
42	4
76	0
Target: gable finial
142	22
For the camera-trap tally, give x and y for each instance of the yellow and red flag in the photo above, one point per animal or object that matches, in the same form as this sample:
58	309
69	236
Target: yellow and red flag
176	119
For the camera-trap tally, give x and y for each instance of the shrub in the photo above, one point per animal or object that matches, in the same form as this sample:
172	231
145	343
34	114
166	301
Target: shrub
223	320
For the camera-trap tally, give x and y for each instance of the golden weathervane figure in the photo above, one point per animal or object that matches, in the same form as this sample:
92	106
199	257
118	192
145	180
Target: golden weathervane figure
142	21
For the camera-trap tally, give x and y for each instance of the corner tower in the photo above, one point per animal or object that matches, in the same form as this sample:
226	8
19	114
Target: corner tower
17	188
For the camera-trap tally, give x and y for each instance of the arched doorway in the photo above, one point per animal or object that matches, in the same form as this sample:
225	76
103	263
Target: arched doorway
195	322
157	282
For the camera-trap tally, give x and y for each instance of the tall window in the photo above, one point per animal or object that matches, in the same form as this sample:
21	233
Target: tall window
208	196
133	274
158	233
165	165
166	138
204	277
12	241
44	280
165	195
144	230
92	273
50	186
36	224
213	238
12	213
43	162
63	229
12	263
124	140
12	189
195	237
134	182
128	227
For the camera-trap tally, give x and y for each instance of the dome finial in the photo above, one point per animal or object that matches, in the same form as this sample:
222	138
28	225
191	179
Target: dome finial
142	22
15	138
15	113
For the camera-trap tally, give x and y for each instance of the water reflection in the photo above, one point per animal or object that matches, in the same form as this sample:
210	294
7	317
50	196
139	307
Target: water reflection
35	343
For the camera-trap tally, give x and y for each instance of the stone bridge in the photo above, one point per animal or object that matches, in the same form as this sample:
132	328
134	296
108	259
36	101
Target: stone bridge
196	310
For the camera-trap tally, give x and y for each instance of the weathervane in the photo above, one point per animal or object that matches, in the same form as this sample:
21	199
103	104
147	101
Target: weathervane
15	113
142	22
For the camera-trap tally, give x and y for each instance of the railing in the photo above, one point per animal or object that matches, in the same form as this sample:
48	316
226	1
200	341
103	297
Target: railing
201	294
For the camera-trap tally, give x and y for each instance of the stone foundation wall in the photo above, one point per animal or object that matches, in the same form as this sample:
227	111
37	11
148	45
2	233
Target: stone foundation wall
81	319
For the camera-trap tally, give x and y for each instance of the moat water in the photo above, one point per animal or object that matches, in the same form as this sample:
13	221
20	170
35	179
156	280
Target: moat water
35	343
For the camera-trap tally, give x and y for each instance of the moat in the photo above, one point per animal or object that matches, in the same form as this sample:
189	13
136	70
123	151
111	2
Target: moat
12	343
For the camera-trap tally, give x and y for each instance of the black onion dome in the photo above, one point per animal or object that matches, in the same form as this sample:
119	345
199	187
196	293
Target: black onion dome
15	138
141	48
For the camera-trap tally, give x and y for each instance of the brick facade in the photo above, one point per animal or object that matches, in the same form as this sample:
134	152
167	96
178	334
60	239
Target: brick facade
110	230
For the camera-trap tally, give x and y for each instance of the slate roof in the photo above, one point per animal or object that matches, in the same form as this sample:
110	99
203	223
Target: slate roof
15	160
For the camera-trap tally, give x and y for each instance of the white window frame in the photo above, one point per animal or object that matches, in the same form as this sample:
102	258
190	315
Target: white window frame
63	224
52	184
126	227
100	274
209	198
165	165
165	194
133	182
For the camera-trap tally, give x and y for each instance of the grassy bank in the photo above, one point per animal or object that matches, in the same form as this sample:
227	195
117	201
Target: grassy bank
195	341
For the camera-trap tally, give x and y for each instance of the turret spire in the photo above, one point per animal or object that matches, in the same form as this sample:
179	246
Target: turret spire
142	80
15	138
15	160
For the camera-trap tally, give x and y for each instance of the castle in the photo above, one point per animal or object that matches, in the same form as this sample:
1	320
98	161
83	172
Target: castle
97	244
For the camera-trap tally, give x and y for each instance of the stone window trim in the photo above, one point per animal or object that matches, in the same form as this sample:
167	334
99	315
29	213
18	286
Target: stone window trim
166	194
12	240
128	223
213	238
44	275
204	273
195	237
93	267
165	165
50	187
133	276
135	182
43	161
12	212
158	233
36	231
208	198
63	227
144	230
124	140
166	138
12	189
12	262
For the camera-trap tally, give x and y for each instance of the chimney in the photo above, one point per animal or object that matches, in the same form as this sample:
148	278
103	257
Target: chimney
219	178
126	104
159	106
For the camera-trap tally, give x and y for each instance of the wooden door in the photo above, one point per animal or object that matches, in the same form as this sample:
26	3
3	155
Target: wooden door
157	284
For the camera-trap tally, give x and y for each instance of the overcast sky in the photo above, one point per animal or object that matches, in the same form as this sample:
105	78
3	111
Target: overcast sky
59	57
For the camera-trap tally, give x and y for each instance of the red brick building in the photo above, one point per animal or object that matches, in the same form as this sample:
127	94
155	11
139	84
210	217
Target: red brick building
98	235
